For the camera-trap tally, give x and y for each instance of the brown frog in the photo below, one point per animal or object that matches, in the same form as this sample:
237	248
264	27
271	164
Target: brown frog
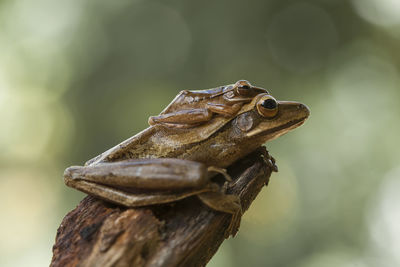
164	163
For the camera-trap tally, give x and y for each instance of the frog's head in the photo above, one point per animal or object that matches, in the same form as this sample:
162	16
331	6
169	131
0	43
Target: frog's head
244	89
265	119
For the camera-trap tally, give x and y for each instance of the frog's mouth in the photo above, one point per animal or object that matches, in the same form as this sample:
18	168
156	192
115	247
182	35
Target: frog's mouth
277	131
290	116
280	130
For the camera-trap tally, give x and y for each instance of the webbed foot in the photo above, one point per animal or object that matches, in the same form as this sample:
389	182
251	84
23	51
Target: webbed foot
225	203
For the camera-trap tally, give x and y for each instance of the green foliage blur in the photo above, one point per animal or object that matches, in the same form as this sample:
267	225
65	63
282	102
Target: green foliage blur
79	76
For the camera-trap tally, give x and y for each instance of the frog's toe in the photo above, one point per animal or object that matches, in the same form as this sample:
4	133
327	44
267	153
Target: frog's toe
268	159
220	171
234	224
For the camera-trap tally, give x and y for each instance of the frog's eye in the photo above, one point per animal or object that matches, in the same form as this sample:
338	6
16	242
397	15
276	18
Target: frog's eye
243	89
267	106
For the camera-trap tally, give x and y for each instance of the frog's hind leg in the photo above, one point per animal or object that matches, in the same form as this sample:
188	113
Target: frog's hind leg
144	182
225	203
141	182
129	199
161	174
186	117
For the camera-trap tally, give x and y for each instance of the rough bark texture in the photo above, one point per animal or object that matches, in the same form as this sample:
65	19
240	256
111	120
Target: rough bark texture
185	233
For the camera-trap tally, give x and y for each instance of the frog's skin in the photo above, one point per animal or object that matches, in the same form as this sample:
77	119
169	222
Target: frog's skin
192	108
163	164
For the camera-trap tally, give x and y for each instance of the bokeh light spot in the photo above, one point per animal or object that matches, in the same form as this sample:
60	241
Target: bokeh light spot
27	197
379	12
335	257
384	218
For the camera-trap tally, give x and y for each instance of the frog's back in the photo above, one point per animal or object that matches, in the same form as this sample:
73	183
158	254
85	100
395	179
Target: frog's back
159	141
135	147
189	99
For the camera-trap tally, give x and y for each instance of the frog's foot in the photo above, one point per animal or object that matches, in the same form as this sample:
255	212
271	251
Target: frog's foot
221	171
234	224
269	160
225	203
225	187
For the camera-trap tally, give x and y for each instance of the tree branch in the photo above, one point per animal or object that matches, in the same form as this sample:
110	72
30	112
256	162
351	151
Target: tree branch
185	233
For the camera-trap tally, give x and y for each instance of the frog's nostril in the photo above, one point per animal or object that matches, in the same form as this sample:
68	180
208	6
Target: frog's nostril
69	172
304	108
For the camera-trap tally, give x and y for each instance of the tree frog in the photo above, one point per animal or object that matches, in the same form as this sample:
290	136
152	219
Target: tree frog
165	163
191	108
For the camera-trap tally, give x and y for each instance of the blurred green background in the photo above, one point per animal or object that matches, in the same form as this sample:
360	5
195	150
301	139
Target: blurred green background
79	76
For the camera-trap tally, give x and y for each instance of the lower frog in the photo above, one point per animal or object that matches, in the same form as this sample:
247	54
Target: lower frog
164	164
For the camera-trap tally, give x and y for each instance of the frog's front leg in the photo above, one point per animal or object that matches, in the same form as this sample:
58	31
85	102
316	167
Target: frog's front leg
224	110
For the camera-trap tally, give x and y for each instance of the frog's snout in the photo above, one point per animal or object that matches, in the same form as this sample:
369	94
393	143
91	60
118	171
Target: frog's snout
291	110
304	109
70	173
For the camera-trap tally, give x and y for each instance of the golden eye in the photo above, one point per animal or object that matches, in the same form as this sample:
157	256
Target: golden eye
267	106
243	88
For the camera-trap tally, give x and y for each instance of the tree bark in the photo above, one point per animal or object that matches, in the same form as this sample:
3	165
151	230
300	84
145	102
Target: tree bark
184	233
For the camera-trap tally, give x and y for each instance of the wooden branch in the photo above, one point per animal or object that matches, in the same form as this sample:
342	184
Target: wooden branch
185	233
